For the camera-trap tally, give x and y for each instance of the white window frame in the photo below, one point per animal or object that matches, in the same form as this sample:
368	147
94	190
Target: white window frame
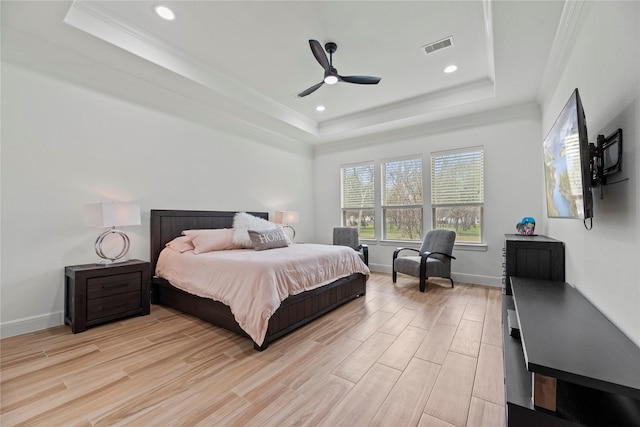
344	207
386	206
456	193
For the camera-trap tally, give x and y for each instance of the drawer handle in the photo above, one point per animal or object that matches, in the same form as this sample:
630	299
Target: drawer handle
105	307
114	285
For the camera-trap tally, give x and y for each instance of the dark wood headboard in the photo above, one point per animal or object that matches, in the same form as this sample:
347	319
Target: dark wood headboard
166	225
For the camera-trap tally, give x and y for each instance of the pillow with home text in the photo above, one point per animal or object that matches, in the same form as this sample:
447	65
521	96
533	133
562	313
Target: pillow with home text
269	239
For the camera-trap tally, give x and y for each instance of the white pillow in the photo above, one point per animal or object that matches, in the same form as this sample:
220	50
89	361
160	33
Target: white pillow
243	222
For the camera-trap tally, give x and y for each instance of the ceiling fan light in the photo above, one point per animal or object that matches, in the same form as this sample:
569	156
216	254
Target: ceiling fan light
330	79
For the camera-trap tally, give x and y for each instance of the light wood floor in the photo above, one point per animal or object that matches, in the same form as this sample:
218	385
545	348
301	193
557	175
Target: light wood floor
395	357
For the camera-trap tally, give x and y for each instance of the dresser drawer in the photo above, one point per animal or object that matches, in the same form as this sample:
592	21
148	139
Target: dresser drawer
99	287
99	308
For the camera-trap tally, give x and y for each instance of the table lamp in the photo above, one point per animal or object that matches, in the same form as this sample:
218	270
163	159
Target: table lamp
111	215
285	218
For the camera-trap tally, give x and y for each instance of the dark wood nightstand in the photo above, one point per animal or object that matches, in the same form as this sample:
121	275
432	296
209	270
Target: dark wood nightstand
96	293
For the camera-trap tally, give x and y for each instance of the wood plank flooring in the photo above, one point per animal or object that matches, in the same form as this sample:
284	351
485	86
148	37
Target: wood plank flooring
396	357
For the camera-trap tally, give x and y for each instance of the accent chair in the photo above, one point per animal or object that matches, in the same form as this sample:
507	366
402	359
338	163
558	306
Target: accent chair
348	236
433	258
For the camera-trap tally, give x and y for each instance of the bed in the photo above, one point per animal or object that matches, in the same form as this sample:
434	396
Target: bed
294	312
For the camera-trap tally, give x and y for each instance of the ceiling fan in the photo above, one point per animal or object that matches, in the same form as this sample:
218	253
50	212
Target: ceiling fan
331	75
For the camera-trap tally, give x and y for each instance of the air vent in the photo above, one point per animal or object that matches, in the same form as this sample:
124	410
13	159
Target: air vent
441	44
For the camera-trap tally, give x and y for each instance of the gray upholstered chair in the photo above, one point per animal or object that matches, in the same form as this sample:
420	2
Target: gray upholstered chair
348	236
433	259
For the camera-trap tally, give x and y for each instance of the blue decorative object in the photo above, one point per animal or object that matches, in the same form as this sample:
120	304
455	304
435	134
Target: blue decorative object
527	226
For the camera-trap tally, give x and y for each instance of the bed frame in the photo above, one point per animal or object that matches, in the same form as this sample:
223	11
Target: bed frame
294	312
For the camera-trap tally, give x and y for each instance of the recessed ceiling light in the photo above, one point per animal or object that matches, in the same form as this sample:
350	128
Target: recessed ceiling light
165	13
450	69
320	108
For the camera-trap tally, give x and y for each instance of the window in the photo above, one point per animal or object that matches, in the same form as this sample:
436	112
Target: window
358	206
457	192
402	198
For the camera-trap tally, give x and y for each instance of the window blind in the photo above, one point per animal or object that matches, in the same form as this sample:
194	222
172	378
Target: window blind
402	184
358	186
457	177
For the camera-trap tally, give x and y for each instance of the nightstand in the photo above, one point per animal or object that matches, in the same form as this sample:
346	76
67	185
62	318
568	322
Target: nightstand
96	293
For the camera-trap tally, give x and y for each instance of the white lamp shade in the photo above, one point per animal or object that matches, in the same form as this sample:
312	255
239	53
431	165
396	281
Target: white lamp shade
286	217
111	214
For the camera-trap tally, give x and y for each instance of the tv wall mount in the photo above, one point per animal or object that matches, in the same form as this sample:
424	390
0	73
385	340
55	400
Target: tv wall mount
606	158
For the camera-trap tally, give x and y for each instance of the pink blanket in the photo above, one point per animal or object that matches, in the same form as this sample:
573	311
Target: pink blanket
254	283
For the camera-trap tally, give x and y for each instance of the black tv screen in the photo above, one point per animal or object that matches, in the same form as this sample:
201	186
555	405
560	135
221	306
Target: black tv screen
566	164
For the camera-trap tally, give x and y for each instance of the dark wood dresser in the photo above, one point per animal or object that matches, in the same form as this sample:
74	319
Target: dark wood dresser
96	293
533	257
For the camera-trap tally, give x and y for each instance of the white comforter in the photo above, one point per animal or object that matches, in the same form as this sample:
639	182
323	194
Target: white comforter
254	283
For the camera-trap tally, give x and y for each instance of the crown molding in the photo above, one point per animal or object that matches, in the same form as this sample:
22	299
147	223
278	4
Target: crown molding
411	108
499	115
488	31
60	63
91	18
564	39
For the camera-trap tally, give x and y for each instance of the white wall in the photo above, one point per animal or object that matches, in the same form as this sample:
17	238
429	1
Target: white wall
604	64
64	146
513	156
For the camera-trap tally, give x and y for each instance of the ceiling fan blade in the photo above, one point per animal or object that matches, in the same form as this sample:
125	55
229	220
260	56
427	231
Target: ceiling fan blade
362	80
311	89
318	52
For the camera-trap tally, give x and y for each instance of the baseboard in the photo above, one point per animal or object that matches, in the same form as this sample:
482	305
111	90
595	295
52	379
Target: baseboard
31	324
457	277
477	279
380	268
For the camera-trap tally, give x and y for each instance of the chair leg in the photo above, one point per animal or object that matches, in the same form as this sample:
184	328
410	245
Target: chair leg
451	281
423	273
394	276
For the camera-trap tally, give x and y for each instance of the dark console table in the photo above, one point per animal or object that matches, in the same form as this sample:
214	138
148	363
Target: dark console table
571	365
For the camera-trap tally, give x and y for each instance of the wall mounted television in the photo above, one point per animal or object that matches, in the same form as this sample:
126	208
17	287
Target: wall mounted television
567	161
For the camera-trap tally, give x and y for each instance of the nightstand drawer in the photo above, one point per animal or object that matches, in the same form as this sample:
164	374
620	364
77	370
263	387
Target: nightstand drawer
109	306
99	287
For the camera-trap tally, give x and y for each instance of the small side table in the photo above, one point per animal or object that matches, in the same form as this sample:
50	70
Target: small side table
96	293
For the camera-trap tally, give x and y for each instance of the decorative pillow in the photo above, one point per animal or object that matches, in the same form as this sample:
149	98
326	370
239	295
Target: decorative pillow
181	244
243	222
269	239
219	239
